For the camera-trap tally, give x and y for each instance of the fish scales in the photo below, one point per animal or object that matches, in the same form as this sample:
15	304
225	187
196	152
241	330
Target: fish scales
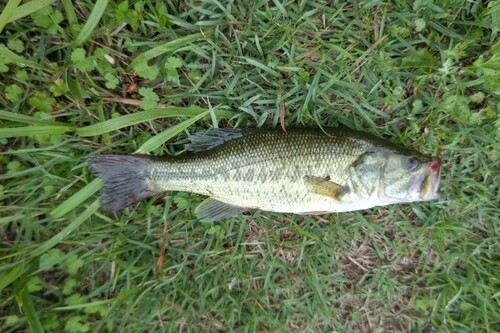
298	171
262	170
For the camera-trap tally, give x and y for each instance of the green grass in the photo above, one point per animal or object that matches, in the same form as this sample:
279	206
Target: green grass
85	77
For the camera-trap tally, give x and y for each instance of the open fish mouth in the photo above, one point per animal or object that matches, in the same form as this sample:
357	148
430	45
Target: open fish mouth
430	184
426	184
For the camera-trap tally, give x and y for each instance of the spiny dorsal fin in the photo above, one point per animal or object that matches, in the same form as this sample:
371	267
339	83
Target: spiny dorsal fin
202	141
212	210
325	187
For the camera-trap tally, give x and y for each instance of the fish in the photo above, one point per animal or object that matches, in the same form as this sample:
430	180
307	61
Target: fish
301	170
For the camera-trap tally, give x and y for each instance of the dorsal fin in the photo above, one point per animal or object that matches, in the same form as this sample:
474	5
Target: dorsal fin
206	140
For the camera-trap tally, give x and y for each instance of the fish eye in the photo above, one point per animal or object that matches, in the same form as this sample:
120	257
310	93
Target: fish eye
412	163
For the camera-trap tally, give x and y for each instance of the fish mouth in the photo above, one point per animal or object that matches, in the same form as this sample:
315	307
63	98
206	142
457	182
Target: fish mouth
426	184
430	184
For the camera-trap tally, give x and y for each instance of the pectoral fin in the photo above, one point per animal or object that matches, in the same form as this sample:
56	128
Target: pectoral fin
212	210
325	187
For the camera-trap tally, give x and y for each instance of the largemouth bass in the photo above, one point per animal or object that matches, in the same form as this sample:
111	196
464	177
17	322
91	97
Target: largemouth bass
303	171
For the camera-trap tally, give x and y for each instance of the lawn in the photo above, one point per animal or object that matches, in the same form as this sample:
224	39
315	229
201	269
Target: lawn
86	77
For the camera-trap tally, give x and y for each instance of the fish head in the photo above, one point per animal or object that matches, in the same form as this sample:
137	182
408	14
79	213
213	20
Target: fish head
408	178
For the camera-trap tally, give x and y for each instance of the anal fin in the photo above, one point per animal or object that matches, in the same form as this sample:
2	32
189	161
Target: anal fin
212	210
325	187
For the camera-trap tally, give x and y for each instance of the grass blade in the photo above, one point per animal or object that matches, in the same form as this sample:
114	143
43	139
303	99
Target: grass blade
29	311
30	131
47	245
136	118
11	218
167	47
7	12
161	138
85	305
10	56
70	15
261	66
92	21
15	273
29	8
76	199
11	116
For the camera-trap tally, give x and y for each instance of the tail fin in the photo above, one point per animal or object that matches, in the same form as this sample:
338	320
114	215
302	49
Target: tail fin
125	179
